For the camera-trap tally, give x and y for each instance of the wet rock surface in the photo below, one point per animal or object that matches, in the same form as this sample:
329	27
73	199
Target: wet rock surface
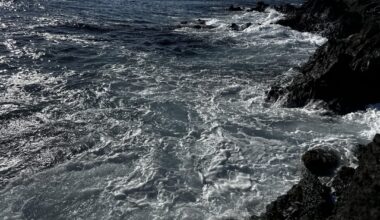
361	198
356	196
321	162
197	24
309	199
342	180
344	72
236	27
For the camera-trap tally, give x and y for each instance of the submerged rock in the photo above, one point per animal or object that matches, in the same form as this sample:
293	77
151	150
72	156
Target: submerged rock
321	162
344	72
237	27
197	24
235	8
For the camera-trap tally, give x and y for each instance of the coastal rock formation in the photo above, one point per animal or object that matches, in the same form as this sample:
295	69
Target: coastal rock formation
309	199
344	72
356	197
360	199
321	162
342	180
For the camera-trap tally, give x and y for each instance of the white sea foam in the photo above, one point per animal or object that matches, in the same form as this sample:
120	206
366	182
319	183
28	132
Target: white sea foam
178	137
369	119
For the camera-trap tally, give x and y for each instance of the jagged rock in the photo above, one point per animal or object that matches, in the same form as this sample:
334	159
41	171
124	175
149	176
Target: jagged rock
236	27
342	180
309	199
358	192
361	199
344	72
332	18
321	162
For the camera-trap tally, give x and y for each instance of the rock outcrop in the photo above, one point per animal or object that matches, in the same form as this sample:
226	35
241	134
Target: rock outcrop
309	199
345	72
356	196
321	162
360	199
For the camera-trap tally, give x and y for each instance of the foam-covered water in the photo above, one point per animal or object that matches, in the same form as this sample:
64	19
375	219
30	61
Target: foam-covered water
110	110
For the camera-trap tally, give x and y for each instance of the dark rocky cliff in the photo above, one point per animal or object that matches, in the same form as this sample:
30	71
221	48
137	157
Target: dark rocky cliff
344	72
354	194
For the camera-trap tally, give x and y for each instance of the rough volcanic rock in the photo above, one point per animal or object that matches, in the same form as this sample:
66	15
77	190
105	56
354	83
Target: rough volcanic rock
342	180
321	162
309	199
344	72
333	18
361	198
357	191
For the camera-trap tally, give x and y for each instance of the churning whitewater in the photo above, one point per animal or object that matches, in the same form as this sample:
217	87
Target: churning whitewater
114	110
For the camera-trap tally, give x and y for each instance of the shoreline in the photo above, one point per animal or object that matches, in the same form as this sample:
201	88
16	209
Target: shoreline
341	76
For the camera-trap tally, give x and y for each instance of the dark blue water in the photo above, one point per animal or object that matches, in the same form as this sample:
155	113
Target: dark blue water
113	110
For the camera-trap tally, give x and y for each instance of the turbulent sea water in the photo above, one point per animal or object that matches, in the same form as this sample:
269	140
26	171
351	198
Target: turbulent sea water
110	110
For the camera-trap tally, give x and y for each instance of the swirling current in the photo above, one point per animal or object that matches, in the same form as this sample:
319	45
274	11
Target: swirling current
110	109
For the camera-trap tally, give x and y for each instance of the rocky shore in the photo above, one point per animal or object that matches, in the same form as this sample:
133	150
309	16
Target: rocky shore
351	193
344	72
343	75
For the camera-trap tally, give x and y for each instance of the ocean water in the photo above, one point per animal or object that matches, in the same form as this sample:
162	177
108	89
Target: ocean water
112	110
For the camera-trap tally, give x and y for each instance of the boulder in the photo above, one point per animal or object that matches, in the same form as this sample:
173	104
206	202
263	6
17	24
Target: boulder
321	162
235	27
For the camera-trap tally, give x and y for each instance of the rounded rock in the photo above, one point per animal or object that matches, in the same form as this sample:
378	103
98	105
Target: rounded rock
321	162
